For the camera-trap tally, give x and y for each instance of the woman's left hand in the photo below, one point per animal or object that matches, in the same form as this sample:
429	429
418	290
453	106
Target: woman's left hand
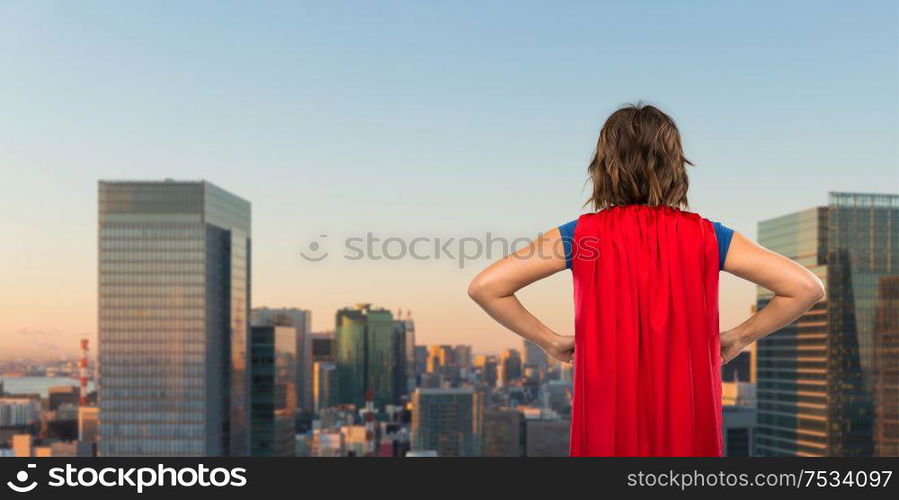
731	346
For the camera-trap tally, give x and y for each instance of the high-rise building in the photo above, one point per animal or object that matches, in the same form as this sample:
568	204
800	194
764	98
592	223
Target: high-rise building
486	367
886	368
274	394
435	359
509	367
364	355
404	357
19	411
463	357
301	321
324	384
448	421
174	296
534	356
420	353
447	364
818	377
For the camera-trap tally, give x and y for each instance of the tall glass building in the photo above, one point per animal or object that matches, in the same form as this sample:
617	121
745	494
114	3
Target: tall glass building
274	358
365	355
826	383
886	369
174	296
301	321
404	358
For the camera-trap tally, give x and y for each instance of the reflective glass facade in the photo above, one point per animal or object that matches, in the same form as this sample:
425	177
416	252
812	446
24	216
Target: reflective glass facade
174	274
365	355
826	383
403	359
886	369
274	392
301	321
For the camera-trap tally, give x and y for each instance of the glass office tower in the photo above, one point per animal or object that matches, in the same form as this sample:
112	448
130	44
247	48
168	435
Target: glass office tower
174	295
364	352
301	321
826	382
886	369
404	358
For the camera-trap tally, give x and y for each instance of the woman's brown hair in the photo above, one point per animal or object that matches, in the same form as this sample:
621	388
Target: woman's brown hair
639	160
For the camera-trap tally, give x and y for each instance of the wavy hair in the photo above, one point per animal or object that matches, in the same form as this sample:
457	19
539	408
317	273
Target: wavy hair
639	160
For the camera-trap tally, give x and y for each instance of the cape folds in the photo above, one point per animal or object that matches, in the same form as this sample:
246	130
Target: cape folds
647	370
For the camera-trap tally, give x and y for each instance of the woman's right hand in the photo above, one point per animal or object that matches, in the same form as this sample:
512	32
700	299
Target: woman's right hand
561	348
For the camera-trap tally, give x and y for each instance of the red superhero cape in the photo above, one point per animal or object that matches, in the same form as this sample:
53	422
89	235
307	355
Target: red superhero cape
647	371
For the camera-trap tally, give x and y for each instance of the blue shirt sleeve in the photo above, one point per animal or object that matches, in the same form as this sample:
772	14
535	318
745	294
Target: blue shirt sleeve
567	231
724	235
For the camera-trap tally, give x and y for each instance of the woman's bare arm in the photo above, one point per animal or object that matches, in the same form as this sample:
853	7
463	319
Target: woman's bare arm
494	290
795	289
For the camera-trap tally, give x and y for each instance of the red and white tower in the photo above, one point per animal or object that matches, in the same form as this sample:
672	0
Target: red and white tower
82	369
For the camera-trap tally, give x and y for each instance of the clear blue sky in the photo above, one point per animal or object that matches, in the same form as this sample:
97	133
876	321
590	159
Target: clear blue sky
442	118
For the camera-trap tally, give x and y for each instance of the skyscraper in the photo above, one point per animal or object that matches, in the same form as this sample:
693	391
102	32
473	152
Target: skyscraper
435	359
509	367
534	356
274	393
300	320
463	357
324	384
420	354
486	366
404	357
448	421
818	377
174	296
886	369
364	355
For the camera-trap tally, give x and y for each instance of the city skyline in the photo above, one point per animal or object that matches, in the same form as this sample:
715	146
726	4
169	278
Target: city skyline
55	351
182	373
334	124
